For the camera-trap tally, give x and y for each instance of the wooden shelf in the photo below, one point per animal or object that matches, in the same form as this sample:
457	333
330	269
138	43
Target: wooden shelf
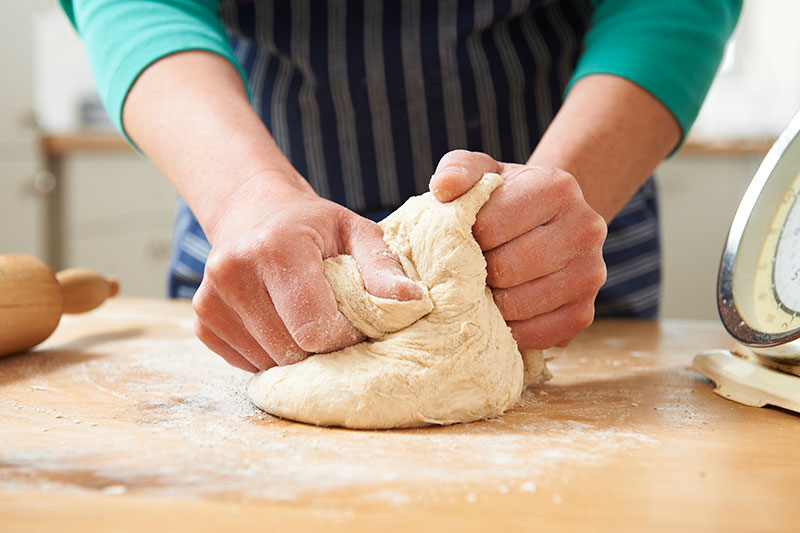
70	143
742	147
87	141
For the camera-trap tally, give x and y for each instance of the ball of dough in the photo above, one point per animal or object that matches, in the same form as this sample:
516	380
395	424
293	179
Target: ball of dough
446	358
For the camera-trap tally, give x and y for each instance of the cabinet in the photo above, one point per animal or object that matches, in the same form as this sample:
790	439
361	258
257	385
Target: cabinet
699	191
111	211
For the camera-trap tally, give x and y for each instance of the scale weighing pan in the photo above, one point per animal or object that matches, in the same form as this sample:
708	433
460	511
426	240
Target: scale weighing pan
758	287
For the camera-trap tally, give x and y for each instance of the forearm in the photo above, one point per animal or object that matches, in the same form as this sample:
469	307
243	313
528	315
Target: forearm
189	113
610	134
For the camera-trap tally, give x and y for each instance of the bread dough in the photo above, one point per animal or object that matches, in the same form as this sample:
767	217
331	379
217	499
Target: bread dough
446	358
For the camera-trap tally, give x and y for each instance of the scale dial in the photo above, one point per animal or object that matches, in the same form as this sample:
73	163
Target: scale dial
786	266
777	277
758	291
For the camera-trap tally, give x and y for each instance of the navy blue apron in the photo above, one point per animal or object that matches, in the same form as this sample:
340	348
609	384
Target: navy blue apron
364	97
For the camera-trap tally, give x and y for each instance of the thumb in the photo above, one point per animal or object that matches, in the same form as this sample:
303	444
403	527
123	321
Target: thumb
381	270
458	171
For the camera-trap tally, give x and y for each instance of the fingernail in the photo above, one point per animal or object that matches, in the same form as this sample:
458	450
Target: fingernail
454	169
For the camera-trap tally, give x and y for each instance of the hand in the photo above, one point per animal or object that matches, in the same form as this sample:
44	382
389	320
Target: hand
542	243
264	299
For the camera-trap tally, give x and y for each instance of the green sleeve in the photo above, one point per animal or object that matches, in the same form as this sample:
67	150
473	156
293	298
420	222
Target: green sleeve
124	37
671	48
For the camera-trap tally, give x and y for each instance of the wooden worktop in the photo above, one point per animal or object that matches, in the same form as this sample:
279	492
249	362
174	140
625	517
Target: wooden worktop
123	421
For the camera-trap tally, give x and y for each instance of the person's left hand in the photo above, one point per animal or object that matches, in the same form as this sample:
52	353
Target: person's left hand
542	243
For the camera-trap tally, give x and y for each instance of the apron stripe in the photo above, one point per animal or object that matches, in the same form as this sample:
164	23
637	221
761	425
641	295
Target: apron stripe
395	88
343	105
517	110
414	80
540	68
356	73
378	99
469	92
451	88
318	57
487	102
309	152
434	96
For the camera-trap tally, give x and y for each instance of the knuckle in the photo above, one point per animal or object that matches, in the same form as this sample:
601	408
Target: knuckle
224	267
600	274
595	277
564	183
203	333
273	245
594	232
582	316
202	303
598	228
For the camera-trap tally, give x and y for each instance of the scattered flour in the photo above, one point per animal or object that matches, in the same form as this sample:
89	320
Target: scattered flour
164	416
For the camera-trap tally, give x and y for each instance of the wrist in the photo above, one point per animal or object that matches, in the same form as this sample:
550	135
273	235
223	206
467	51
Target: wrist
610	148
264	191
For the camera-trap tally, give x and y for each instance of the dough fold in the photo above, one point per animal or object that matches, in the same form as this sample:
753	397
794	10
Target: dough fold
444	359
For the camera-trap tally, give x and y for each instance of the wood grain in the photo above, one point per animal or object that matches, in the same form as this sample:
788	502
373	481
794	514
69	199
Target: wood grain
122	421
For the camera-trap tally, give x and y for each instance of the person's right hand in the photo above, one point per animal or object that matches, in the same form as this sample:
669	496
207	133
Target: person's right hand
264	299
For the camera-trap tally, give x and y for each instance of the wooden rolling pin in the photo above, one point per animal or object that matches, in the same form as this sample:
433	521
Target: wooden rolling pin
32	299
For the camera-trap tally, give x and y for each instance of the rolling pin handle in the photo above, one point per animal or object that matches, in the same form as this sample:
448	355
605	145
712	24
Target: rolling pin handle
84	289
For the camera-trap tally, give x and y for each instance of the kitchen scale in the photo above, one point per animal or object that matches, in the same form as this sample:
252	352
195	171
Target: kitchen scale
758	288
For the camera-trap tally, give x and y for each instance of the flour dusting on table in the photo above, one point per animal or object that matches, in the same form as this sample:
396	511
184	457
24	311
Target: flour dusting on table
165	416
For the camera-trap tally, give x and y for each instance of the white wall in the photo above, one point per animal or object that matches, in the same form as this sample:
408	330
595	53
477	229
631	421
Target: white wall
698	198
118	208
20	209
758	86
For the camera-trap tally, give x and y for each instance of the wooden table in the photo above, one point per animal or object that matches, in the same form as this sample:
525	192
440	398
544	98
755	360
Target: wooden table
123	421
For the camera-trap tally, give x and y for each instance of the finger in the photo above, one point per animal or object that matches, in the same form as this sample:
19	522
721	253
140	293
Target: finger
381	270
579	280
458	171
215	317
541	251
545	249
558	327
222	348
534	195
303	299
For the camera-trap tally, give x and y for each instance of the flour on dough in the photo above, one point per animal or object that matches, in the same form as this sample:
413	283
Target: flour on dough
446	358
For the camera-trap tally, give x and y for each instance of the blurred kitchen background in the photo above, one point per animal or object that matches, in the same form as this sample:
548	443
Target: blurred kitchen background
74	194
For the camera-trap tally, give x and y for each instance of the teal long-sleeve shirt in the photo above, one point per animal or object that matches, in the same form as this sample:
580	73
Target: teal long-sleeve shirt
671	48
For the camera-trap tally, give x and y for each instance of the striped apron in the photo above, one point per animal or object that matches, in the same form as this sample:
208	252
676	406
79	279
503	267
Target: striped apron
365	96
